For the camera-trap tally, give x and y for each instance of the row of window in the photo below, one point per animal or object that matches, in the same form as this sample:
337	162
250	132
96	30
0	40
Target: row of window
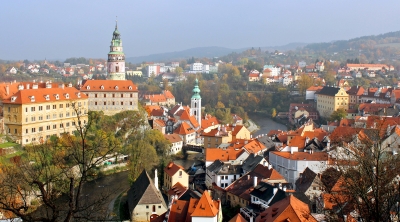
110	103
113	95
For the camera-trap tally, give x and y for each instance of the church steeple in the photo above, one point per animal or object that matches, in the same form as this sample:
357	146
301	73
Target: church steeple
195	107
116	57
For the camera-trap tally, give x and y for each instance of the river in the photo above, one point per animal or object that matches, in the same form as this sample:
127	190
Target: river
265	124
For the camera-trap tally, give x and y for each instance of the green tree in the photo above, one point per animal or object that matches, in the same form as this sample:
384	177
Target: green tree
338	115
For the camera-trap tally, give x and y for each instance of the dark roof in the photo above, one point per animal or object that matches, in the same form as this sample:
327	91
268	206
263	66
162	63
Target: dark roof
305	180
221	168
329	91
267	142
265	191
251	162
143	191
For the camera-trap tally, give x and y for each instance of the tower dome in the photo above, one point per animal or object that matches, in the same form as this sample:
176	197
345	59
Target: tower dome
196	90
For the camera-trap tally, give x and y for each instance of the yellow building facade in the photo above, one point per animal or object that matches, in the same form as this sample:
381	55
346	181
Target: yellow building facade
330	99
34	115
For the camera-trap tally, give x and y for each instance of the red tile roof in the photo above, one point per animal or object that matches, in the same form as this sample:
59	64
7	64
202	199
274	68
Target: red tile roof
238	218
27	96
109	86
213	154
173	138
184	129
206	207
288	209
172	168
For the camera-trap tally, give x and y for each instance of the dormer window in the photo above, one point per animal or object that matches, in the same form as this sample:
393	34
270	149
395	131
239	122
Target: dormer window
57	96
66	95
47	97
102	87
78	95
130	87
13	99
116	87
32	98
87	87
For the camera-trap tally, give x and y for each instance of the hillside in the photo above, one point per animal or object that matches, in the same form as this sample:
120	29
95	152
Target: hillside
209	52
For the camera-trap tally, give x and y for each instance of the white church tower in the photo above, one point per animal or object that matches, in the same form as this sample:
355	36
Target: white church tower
116	57
195	107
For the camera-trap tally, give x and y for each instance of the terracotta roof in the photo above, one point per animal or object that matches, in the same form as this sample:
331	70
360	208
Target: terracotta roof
184	115
178	211
238	218
209	121
206	207
159	122
173	138
356	90
213	154
168	94
343	133
184	129
256	75
172	168
288	209
45	95
156	98
178	189
367	65
109	86
316	156
314	88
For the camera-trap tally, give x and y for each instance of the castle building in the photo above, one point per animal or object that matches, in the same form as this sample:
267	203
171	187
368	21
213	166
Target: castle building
195	107
33	115
116	57
110	96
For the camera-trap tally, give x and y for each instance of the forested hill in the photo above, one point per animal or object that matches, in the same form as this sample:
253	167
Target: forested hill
366	42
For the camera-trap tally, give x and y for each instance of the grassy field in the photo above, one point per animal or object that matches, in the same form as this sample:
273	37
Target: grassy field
394	45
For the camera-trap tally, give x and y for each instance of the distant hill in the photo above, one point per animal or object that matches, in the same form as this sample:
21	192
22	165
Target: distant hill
209	52
212	51
364	42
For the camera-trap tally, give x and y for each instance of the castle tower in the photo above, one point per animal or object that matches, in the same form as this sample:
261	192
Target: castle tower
116	57
195	107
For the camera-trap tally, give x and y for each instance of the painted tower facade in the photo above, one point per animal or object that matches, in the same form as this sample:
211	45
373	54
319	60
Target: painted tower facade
116	57
195	107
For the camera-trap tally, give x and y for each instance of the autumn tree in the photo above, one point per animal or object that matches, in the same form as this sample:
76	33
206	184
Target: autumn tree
304	82
53	174
368	170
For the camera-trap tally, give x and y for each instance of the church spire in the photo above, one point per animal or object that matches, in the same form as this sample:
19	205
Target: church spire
116	22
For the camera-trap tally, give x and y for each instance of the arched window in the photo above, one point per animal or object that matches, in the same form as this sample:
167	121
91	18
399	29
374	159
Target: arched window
195	105
116	68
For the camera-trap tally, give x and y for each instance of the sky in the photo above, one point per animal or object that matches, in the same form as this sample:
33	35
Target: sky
83	28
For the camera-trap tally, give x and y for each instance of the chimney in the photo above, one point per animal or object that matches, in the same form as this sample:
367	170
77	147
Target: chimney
255	181
241	162
248	177
8	89
28	86
156	179
328	145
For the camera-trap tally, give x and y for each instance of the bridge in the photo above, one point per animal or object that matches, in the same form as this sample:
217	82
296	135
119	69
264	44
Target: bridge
194	148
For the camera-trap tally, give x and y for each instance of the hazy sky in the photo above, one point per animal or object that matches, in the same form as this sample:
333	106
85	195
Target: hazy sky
59	29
